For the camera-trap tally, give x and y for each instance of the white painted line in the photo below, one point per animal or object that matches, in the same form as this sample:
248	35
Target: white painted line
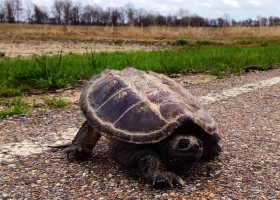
235	91
10	151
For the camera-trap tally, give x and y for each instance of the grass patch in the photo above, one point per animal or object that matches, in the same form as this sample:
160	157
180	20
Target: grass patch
53	72
56	102
204	42
17	106
181	42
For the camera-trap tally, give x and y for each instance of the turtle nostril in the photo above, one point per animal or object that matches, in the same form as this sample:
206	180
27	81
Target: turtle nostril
184	143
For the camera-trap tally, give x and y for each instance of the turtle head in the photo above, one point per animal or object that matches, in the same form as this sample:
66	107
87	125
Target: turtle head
181	152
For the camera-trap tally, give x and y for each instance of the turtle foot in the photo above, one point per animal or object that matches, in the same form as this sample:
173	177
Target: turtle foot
78	151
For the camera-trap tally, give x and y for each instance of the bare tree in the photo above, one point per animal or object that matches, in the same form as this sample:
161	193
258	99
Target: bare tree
105	16
183	14
13	10
29	9
227	19
9	11
66	10
116	16
2	13
274	21
130	13
40	15
18	9
75	14
97	12
57	9
262	21
140	15
87	16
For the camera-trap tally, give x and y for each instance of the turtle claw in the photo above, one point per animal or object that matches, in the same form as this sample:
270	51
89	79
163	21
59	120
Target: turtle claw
77	152
167	177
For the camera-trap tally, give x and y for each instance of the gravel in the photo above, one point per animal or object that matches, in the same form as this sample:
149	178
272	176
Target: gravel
248	168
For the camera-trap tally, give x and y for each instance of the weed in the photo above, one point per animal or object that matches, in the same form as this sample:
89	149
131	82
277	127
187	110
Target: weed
181	42
49	73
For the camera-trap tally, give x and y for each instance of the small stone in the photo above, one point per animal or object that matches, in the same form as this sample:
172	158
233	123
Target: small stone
42	175
164	195
172	194
157	196
94	182
33	185
62	180
5	195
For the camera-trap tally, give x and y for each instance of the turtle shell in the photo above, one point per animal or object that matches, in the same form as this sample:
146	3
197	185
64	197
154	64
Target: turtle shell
140	107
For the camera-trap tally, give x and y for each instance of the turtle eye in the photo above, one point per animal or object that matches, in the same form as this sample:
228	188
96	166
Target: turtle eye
184	143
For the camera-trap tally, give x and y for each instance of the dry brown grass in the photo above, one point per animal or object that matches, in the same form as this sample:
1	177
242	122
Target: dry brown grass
230	34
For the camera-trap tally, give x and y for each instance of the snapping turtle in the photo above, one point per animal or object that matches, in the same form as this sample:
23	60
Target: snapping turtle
152	124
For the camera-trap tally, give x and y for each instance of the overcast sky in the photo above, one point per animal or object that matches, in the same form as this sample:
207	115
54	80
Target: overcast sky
236	9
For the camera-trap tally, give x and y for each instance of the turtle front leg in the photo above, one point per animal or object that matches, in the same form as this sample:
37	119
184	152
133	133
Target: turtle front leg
83	143
145	160
153	169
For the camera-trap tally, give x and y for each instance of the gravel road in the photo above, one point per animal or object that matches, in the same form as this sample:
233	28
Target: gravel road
248	168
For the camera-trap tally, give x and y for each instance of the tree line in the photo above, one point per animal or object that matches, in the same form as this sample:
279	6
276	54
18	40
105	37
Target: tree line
68	13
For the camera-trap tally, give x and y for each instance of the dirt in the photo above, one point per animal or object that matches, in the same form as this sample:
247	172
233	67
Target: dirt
51	47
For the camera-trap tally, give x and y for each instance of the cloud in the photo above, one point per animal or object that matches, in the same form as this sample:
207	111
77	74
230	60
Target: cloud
231	3
255	2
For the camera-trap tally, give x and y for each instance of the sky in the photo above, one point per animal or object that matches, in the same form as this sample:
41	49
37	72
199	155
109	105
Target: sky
236	9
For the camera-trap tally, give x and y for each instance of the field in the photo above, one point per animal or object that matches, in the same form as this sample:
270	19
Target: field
42	57
232	35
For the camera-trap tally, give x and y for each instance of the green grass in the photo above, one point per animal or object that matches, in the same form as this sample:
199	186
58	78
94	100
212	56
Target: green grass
17	106
56	103
49	73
